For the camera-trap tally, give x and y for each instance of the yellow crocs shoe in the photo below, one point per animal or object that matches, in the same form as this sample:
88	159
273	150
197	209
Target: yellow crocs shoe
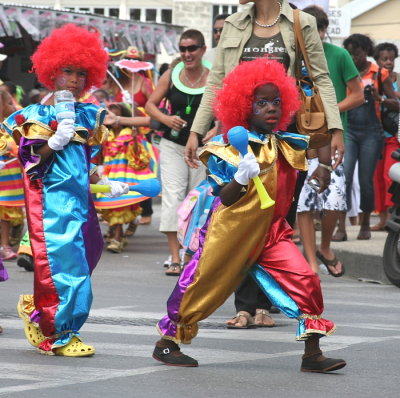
75	348
32	330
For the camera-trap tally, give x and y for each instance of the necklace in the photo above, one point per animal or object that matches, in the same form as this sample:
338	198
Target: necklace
270	25
197	81
189	102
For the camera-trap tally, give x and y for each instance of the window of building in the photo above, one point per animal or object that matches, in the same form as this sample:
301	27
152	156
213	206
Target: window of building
224	9
151	14
166	16
114	12
135	13
99	11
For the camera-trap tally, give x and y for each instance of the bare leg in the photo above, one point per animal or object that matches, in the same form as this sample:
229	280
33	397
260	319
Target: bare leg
340	234
365	232
5	233
328	223
307	231
383	216
174	246
118	232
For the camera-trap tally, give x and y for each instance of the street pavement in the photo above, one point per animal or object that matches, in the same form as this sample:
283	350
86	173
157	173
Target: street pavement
130	290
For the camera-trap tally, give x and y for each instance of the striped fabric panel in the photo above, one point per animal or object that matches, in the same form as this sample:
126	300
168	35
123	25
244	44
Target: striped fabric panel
11	185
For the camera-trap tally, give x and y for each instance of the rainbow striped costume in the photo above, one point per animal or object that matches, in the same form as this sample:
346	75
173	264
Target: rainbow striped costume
131	159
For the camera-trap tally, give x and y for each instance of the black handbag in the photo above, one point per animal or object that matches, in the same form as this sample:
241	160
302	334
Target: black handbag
390	120
389	117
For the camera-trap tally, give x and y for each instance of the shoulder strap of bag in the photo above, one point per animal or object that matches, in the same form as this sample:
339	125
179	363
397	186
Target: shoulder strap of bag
379	79
300	47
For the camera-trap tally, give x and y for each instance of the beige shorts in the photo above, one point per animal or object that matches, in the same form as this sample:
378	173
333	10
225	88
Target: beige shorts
177	179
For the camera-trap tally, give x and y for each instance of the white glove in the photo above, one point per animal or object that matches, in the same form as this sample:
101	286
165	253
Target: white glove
117	188
248	168
126	97
63	135
2	164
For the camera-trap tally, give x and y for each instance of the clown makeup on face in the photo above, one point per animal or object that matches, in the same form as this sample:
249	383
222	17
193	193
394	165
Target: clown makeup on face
266	109
72	79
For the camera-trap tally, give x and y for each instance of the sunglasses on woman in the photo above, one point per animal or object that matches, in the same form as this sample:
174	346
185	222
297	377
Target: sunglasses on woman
191	48
217	30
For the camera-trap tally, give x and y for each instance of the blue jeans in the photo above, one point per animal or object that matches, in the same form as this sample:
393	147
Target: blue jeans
363	144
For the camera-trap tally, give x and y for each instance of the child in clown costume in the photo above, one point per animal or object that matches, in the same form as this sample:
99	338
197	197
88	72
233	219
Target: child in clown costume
64	232
239	236
129	158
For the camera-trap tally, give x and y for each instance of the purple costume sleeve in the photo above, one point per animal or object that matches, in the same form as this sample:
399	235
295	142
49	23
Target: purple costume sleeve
30	159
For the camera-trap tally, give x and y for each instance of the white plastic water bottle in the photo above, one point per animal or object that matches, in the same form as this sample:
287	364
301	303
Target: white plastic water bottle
64	102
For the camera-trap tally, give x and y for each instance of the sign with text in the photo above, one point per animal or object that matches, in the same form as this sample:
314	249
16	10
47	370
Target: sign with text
339	22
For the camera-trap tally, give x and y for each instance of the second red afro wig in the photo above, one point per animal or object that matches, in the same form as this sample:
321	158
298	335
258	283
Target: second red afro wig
234	101
71	45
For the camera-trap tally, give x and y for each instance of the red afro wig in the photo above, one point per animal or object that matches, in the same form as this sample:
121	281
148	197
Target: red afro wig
233	103
71	45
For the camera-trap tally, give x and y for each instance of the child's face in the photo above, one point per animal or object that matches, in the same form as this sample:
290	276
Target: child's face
100	96
266	111
72	79
386	60
8	104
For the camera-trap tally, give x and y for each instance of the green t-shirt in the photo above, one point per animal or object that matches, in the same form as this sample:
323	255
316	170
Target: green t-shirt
341	69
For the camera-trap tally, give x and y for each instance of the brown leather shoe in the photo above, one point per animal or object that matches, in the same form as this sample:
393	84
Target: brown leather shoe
169	353
311	364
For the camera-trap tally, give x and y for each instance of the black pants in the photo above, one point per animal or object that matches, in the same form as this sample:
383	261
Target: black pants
249	296
147	208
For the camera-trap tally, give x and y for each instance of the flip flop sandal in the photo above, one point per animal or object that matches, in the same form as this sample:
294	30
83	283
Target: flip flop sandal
249	325
75	348
32	331
173	269
330	263
270	323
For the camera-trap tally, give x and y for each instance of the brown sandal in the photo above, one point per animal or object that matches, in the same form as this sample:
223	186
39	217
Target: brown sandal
173	269
264	319
330	263
241	314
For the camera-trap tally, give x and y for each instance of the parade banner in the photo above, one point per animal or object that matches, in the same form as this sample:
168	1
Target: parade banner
11	13
5	28
38	22
29	20
148	38
135	36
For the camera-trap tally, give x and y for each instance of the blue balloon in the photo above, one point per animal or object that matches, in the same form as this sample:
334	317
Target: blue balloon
148	188
238	138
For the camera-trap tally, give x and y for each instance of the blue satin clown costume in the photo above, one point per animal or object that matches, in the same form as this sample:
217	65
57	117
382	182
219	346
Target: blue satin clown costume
244	238
64	231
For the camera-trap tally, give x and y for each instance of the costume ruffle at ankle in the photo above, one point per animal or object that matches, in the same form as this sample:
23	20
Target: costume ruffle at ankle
308	323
